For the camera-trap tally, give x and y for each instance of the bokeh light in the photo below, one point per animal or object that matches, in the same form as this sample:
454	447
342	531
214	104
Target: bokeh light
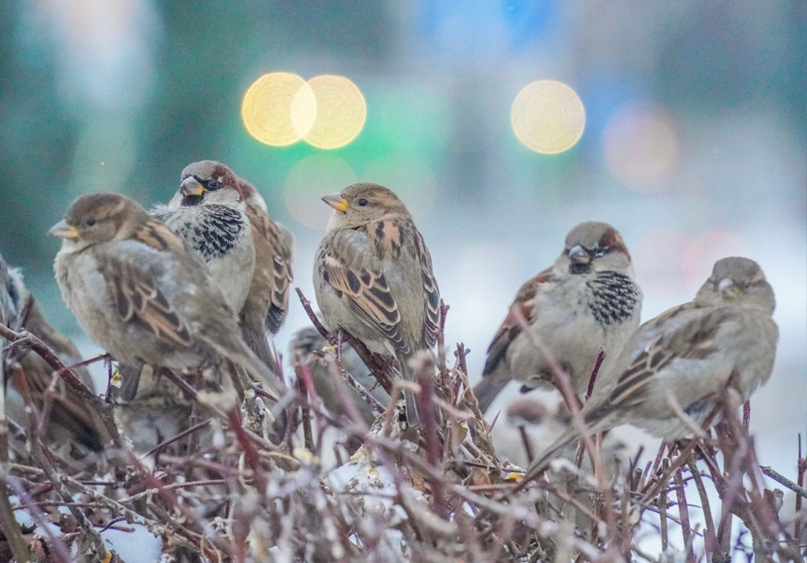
309	180
340	112
548	116
641	146
701	254
279	109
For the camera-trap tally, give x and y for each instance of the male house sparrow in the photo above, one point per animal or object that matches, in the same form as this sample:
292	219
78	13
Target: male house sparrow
586	301
373	277
268	299
70	421
688	355
138	292
208	212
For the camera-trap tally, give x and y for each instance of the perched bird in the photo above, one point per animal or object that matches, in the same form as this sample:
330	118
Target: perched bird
585	302
268	299
140	294
687	356
373	277
309	346
70	420
209	213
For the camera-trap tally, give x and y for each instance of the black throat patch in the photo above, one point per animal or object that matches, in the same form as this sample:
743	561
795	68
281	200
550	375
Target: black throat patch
613	297
220	228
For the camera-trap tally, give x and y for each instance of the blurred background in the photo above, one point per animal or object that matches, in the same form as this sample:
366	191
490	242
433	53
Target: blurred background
683	124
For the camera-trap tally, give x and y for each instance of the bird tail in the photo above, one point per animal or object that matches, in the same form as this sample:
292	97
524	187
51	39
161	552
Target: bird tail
424	366
237	351
488	389
258	343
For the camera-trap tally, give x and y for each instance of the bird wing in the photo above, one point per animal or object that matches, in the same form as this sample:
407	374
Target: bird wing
525	303
281	277
134	290
688	331
351	267
430	290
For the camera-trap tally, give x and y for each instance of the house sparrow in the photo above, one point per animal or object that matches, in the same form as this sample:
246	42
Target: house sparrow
138	292
209	213
309	346
689	355
268	299
373	277
586	301
70	420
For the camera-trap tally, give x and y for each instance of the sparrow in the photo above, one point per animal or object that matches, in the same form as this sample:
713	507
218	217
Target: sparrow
309	347
687	356
585	302
373	278
267	301
209	214
70	421
138	292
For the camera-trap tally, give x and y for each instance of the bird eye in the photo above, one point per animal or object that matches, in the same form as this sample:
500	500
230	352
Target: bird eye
363	201
600	251
90	222
212	184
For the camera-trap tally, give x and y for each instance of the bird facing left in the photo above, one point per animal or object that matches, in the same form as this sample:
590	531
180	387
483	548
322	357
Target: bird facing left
137	291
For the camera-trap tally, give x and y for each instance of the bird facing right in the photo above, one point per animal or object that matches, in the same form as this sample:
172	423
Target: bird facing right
686	358
586	301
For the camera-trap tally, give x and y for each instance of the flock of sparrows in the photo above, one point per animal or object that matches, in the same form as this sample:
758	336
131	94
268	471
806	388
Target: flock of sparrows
201	281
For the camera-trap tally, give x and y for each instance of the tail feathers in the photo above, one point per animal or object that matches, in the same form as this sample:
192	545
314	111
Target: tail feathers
238	352
258	343
414	367
488	389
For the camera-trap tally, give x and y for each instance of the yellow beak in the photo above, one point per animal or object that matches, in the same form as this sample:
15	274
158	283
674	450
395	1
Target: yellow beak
63	230
191	186
336	201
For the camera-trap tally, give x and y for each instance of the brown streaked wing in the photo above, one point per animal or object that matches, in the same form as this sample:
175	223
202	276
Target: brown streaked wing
431	291
281	280
510	329
692	340
138	299
368	296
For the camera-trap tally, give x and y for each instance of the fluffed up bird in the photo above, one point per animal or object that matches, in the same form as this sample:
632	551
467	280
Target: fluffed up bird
70	420
138	292
586	301
373	278
687	357
209	214
267	301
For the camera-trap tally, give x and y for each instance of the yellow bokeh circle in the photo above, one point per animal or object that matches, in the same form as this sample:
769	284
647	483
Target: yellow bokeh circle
548	117
267	108
280	108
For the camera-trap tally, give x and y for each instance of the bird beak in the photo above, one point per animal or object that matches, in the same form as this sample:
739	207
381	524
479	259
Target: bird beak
190	186
336	201
579	255
63	230
728	288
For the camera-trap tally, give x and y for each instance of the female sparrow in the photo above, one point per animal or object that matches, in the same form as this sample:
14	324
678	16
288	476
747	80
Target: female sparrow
268	299
138	292
308	346
373	277
585	302
70	421
686	358
209	213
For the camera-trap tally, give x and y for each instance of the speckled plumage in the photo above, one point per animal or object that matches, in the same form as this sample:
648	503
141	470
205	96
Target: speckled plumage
690	354
586	301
